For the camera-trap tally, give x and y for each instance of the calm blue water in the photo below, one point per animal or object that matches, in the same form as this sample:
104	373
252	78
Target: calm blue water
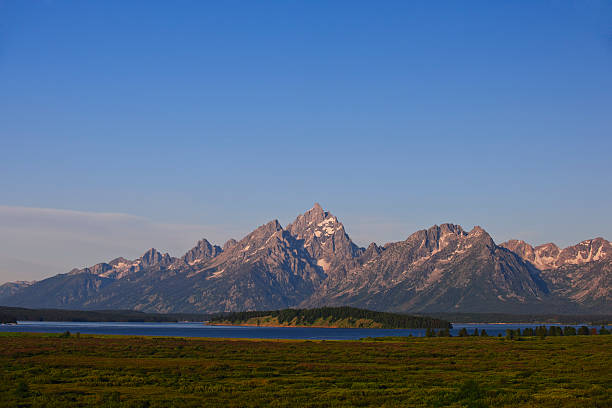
201	330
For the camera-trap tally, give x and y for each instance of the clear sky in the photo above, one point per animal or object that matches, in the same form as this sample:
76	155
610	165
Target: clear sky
131	124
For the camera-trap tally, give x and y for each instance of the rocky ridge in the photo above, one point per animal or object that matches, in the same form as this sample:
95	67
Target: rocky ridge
550	256
581	273
313	262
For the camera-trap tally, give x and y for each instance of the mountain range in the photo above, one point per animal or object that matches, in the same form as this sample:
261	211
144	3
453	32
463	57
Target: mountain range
313	262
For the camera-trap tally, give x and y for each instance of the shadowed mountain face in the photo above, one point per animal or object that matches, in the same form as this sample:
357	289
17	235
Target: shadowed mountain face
580	273
266	269
313	262
10	288
441	269
201	252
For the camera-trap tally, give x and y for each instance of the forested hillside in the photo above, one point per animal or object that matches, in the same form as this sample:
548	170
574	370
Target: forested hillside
330	317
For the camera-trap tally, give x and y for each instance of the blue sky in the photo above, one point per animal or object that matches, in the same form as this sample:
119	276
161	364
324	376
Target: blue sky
211	118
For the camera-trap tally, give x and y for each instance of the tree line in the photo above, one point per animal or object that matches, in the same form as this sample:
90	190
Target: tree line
564	319
13	314
513	334
305	317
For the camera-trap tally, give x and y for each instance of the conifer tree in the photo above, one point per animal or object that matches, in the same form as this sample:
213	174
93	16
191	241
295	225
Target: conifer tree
583	331
569	331
444	333
541	332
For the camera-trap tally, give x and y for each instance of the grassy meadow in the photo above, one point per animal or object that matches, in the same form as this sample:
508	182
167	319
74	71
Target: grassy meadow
50	370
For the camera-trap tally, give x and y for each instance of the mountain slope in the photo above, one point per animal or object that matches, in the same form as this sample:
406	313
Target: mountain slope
550	256
266	269
202	251
441	269
324	237
60	291
581	273
313	262
10	288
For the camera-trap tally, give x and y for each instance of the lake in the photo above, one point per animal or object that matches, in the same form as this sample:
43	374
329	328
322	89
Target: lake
192	329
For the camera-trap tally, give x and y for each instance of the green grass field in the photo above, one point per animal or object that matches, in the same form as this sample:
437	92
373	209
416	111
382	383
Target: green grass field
108	371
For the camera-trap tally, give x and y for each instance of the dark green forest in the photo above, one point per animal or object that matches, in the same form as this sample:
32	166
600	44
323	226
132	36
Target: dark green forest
591	319
306	317
394	320
12	314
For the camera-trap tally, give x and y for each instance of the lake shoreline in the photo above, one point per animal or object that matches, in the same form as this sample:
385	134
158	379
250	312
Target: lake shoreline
405	328
200	330
304	326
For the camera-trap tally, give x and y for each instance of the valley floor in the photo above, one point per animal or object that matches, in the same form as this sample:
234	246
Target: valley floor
106	371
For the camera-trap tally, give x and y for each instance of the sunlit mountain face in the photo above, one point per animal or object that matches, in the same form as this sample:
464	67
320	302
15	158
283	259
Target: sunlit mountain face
314	262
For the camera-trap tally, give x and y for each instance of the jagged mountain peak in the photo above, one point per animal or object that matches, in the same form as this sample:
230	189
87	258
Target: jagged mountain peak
448	228
586	251
150	252
317	208
265	269
313	220
478	230
314	215
255	239
516	243
314	262
263	231
600	240
154	257
438	267
437	242
324	237
593	242
119	261
120	267
99	269
548	246
435	237
522	249
203	251
11	288
549	256
442	231
229	244
372	251
374	248
479	234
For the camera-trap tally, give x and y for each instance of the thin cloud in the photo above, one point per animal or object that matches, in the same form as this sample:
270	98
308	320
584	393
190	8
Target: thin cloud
38	242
